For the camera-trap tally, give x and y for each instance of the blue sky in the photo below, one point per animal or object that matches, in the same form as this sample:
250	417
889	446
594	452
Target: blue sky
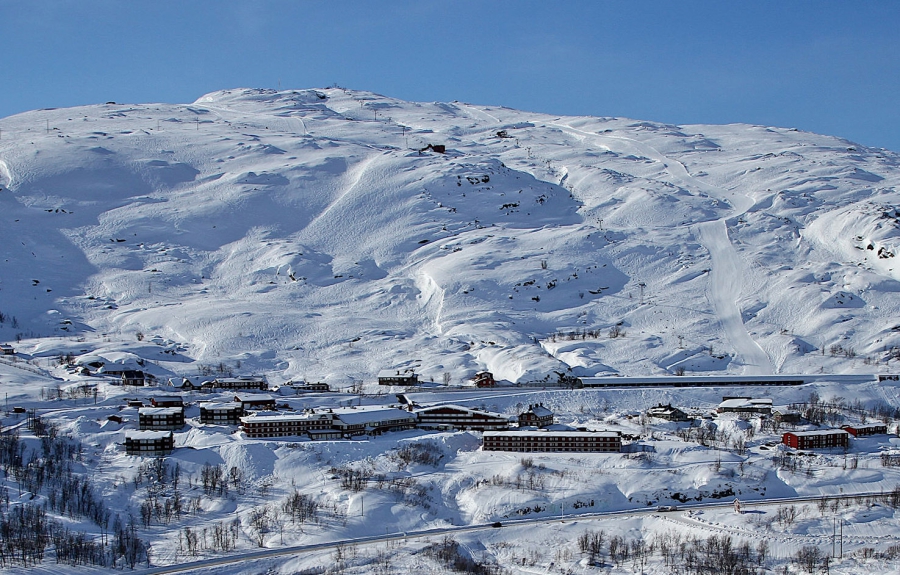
826	66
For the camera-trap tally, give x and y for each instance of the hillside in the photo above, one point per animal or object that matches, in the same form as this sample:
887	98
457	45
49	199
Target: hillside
302	234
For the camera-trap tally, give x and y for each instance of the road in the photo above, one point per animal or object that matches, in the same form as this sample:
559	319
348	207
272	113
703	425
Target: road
299	549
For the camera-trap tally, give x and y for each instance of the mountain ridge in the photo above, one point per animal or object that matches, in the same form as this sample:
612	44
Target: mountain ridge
312	234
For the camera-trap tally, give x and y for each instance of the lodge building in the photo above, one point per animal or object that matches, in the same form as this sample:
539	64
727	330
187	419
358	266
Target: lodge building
553	441
160	418
820	439
152	443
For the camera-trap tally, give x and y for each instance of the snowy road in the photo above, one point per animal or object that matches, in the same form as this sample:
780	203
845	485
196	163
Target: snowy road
213	564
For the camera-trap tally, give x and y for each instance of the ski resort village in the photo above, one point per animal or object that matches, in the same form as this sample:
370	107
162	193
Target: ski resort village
328	331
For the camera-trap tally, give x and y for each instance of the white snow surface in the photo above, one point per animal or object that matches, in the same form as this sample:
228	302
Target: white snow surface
301	235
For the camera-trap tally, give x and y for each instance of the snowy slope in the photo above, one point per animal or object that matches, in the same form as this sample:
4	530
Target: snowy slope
302	235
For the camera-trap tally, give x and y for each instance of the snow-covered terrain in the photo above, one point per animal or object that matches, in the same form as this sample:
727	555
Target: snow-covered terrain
318	235
302	234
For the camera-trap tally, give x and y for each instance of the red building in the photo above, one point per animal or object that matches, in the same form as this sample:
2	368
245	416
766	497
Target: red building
864	430
821	439
484	379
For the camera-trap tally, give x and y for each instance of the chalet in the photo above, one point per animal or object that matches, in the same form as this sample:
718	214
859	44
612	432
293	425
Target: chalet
185	385
372	420
241	383
746	405
784	415
864	430
397	377
134	403
133	377
668	413
553	441
161	418
821	439
437	148
536	416
221	413
459	417
484	379
167	401
6	349
255	401
115	418
149	443
287	425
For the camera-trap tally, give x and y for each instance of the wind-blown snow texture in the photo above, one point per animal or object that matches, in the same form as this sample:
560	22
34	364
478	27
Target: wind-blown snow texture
301	233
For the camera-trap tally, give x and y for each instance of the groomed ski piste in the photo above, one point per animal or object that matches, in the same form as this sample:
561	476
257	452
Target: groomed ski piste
313	235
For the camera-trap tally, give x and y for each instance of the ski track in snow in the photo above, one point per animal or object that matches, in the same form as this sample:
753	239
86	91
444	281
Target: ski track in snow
726	275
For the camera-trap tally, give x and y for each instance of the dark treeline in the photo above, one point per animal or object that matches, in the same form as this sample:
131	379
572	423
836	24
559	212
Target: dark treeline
26	531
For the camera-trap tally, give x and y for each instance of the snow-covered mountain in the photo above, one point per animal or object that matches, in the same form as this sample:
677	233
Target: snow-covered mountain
315	234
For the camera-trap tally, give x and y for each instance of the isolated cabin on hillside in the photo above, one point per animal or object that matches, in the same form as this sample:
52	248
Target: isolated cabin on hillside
6	349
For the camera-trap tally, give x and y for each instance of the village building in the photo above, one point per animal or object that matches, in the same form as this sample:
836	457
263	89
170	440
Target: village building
372	420
459	417
133	377
160	418
746	406
296	387
785	415
287	424
6	349
167	401
247	382
484	379
398	377
536	416
668	413
820	439
863	430
151	443
185	385
221	413
255	401
553	441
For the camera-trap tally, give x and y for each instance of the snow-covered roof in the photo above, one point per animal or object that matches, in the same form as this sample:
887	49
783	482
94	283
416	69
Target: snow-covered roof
743	402
220	405
459	408
276	417
160	410
547	433
254	397
366	415
147	434
818	432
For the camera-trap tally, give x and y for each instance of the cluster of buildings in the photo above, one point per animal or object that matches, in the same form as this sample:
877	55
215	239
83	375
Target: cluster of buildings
258	418
829	438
